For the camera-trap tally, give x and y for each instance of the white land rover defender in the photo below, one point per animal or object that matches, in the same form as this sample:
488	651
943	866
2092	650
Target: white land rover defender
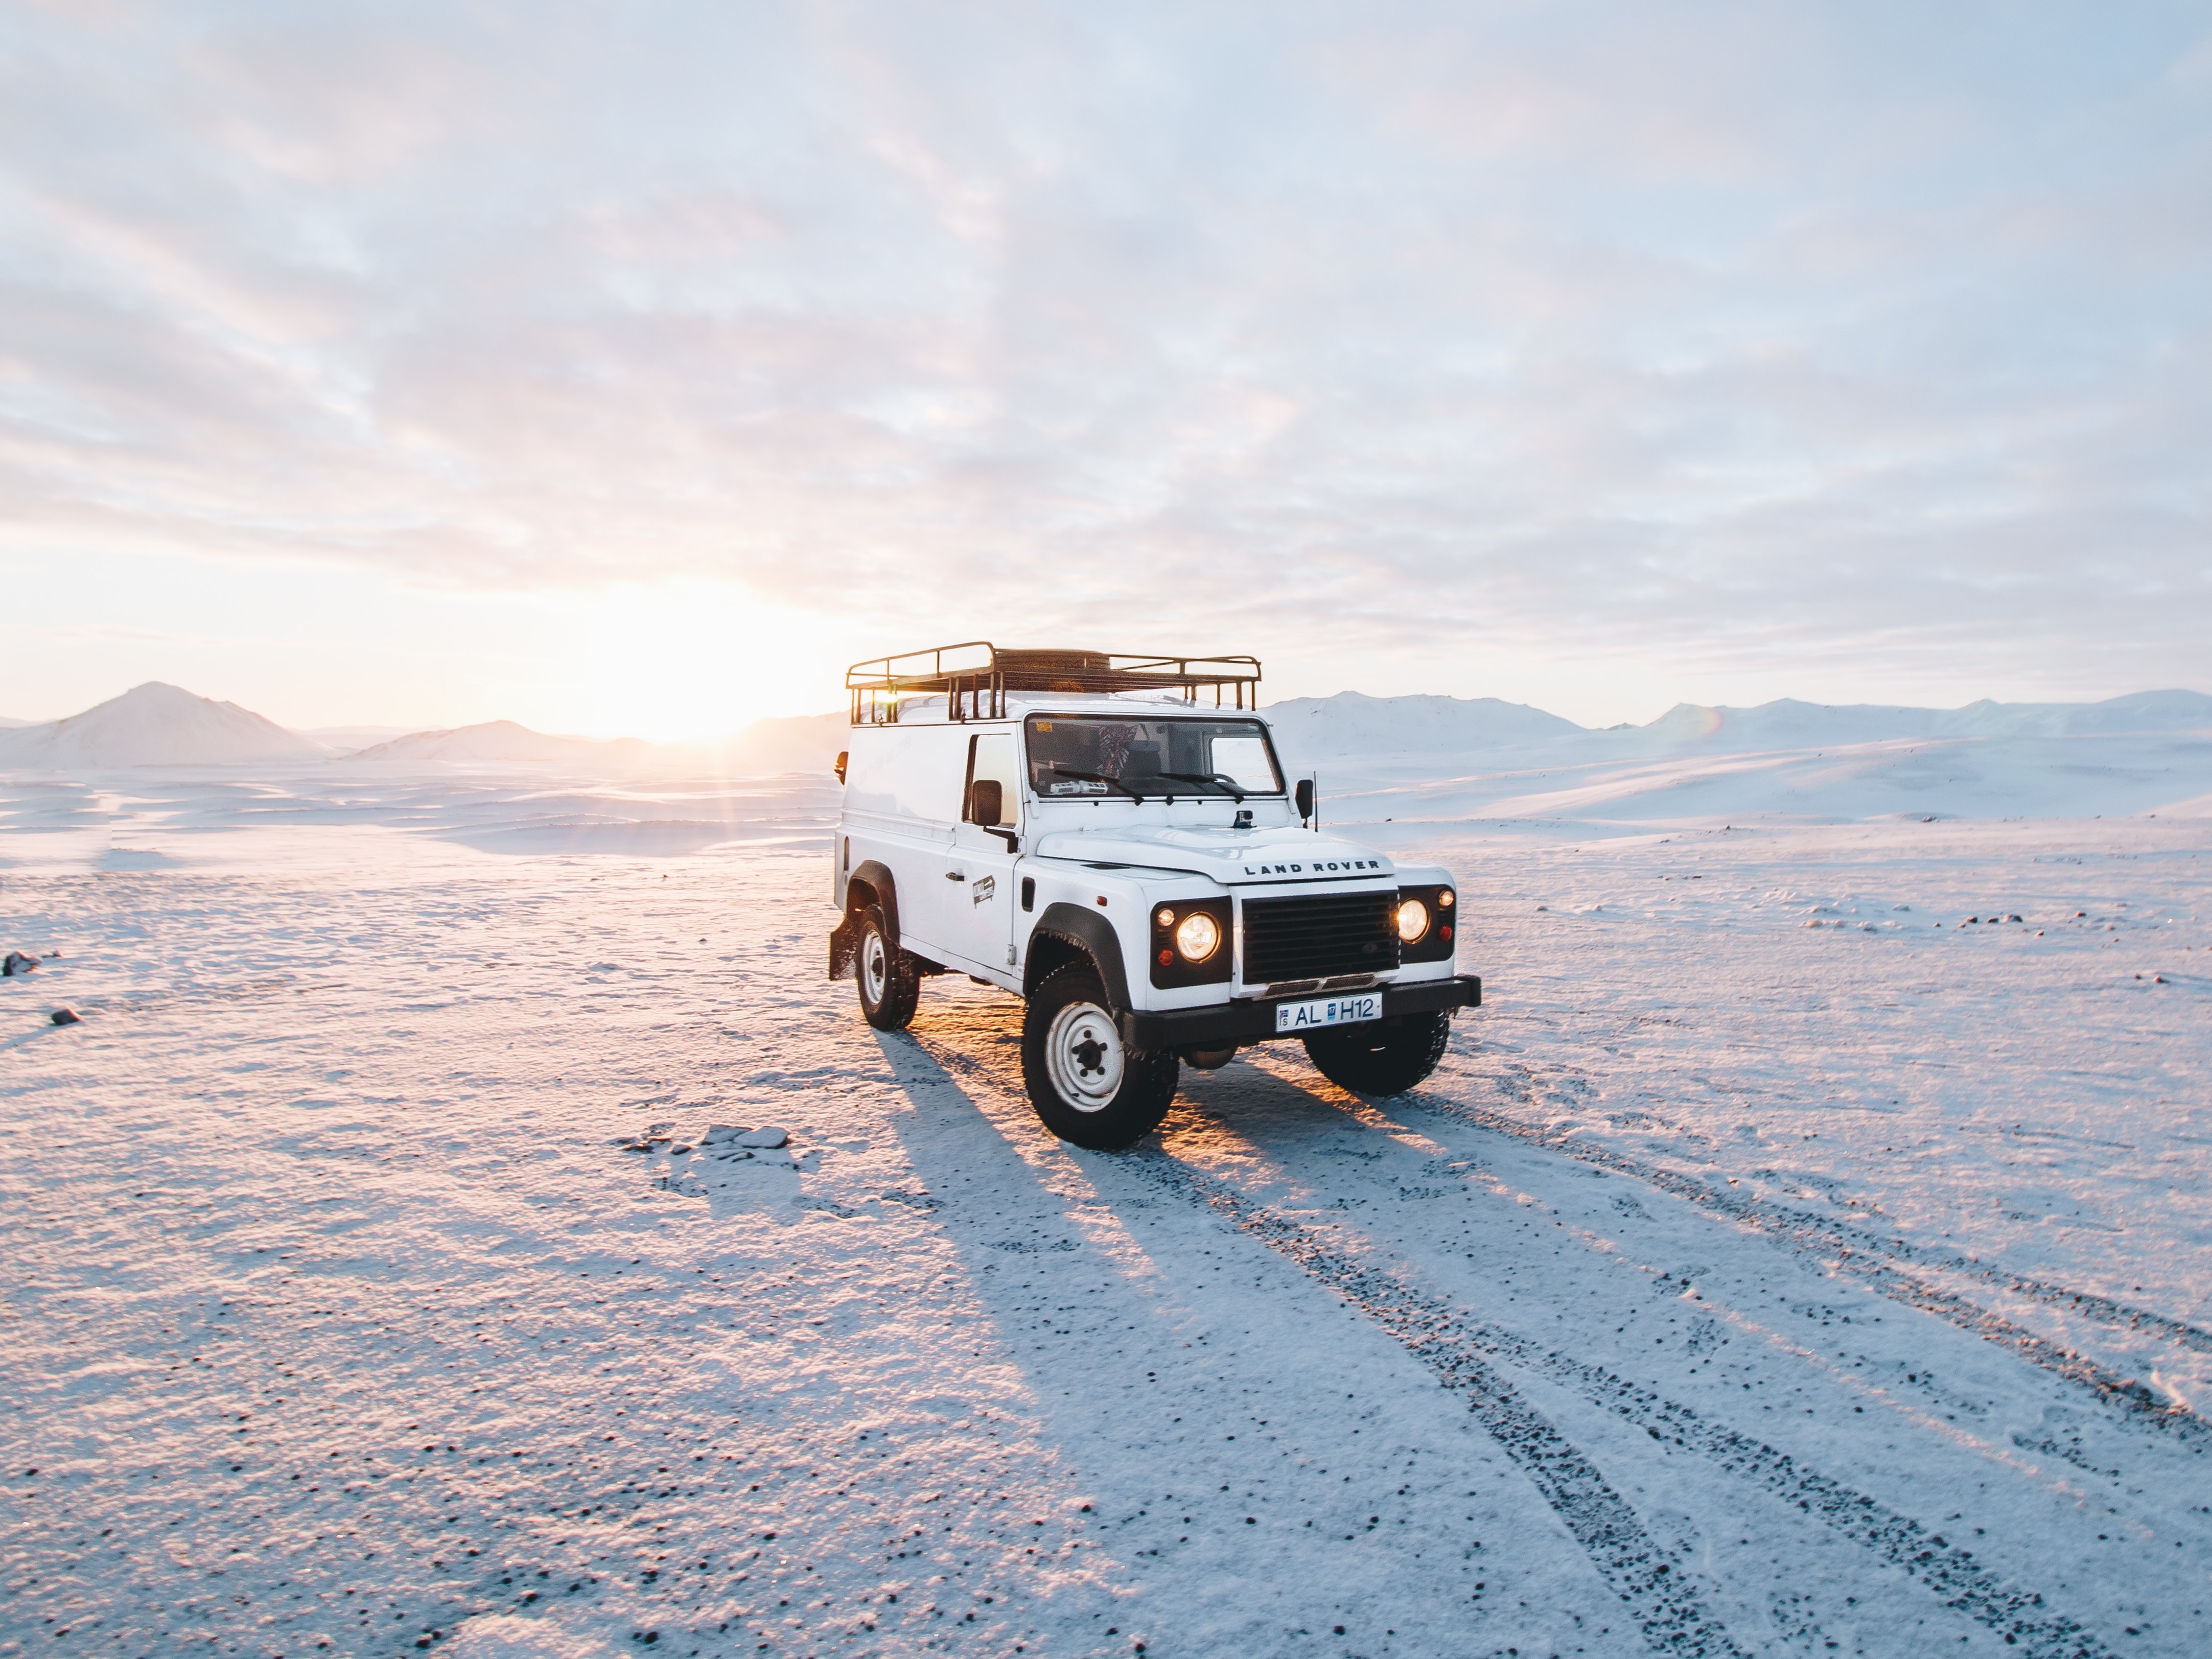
1076	828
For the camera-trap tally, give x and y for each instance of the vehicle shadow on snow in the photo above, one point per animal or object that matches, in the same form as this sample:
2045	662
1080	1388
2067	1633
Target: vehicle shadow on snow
1258	1106
1004	1192
1162	1359
973	1045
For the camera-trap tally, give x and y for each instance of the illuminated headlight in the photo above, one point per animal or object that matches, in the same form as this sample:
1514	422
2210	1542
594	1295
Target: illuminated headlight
1199	936
1412	920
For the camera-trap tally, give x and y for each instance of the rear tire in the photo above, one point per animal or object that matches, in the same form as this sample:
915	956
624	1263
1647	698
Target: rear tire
1087	1085
890	980
1383	1057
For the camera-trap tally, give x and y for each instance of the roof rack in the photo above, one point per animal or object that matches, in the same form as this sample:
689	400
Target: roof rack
974	678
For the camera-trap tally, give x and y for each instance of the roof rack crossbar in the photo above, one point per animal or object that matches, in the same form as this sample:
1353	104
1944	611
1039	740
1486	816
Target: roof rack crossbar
976	689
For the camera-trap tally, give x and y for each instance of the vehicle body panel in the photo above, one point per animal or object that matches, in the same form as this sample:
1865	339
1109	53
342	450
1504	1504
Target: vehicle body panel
960	885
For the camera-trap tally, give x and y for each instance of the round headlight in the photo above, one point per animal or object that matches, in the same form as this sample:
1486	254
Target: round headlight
1412	920
1199	936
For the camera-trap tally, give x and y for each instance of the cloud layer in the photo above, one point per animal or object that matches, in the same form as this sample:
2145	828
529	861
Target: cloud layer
1845	347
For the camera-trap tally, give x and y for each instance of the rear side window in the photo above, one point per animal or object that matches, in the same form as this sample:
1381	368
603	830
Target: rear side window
911	772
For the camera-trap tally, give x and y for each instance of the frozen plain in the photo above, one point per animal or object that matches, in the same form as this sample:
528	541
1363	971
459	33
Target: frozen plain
1740	1284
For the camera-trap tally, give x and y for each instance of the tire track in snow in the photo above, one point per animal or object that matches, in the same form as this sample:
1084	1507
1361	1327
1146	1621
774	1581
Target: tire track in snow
1840	1237
1459	1351
1876	1262
1641	1572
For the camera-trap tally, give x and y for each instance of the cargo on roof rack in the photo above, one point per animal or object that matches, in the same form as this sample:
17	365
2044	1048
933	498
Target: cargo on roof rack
975	676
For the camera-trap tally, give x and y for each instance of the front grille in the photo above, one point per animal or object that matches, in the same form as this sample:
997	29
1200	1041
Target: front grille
1319	937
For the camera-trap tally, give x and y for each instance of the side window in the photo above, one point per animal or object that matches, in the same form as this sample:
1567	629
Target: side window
991	757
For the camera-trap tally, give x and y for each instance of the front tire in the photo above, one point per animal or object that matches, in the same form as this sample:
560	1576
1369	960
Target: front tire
890	980
1382	1057
1089	1086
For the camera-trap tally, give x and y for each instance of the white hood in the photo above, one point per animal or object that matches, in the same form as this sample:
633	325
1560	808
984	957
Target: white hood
1233	858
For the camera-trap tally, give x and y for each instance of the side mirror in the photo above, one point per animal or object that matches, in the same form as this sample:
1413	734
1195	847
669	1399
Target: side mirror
841	764
987	799
1305	798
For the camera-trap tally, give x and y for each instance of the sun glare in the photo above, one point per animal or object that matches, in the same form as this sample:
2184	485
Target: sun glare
678	660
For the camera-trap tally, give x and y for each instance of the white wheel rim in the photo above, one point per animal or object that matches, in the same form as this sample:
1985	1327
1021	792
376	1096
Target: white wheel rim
875	966
1083	1056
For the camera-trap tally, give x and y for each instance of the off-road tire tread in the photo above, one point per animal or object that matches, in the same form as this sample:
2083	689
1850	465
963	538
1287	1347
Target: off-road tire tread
1148	1080
901	982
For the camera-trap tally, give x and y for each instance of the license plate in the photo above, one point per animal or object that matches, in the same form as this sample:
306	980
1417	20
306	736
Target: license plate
1329	1011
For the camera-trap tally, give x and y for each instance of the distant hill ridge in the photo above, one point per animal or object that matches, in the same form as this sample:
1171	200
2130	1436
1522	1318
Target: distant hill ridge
161	725
1788	722
1352	724
501	740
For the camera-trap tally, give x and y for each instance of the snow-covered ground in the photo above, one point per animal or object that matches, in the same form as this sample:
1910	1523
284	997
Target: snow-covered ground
1781	1262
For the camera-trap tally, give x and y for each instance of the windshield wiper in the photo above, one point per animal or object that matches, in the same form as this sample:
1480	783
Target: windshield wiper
1059	771
1220	780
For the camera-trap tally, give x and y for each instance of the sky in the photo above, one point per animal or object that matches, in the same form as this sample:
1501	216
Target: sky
632	369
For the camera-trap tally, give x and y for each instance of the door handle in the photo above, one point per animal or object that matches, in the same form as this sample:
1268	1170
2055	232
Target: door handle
954	875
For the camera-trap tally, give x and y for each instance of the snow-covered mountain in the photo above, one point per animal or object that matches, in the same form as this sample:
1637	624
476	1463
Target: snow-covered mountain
1353	726
153	724
1353	723
1789	724
502	741
804	743
160	725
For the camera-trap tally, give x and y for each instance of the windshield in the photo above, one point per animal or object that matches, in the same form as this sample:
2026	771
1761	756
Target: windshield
1071	757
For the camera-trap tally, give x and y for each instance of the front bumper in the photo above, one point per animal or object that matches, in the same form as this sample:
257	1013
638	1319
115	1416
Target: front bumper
1255	1022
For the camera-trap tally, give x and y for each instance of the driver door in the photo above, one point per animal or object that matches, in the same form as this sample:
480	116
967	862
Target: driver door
982	859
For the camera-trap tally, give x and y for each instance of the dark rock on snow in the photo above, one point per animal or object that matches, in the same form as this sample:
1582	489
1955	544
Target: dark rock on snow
736	1135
